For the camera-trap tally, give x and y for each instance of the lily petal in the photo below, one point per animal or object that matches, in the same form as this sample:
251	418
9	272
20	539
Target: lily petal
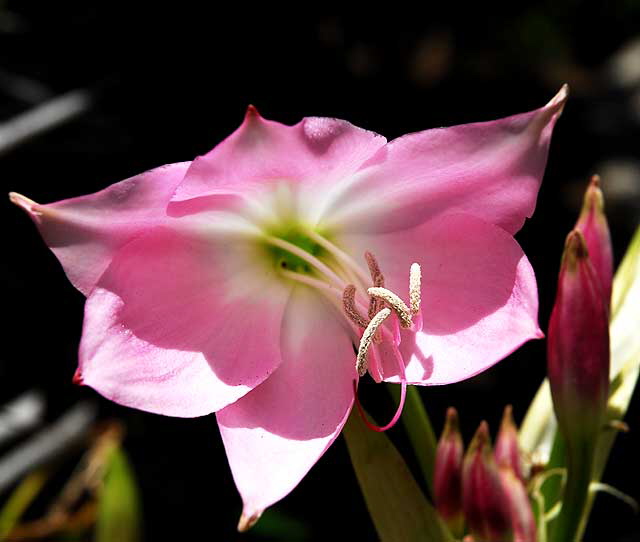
479	295
492	170
276	433
179	325
85	232
314	151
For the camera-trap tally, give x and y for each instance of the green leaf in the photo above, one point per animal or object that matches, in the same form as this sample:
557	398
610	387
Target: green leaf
19	501
119	505
625	351
399	509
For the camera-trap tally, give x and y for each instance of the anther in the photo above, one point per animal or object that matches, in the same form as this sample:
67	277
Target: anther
349	305
415	276
367	337
377	279
374	269
395	302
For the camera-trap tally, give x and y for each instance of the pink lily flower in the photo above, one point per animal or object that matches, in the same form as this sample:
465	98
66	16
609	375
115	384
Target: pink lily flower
219	285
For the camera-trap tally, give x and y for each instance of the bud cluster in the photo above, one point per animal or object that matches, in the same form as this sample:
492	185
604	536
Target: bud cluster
483	492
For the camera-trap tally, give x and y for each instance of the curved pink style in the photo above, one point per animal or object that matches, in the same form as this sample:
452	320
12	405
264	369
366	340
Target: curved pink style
216	285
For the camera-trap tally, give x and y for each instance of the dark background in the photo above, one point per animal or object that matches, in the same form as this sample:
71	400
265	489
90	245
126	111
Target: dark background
169	83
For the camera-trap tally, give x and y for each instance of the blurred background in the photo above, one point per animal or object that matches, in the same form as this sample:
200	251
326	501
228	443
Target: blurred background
140	87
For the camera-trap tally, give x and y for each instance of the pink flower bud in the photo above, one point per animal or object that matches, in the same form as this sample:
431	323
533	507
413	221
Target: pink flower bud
448	474
578	344
507	451
578	369
592	223
484	501
522	519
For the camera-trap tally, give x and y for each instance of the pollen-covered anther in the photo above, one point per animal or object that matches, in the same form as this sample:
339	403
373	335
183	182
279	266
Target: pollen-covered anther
415	277
367	338
377	279
349	305
396	304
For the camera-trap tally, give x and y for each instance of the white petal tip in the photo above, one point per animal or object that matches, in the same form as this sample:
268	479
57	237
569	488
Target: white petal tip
558	101
248	520
25	203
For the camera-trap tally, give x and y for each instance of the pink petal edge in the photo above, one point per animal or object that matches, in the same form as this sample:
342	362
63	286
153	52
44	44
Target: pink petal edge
277	432
178	326
316	151
491	170
479	296
86	232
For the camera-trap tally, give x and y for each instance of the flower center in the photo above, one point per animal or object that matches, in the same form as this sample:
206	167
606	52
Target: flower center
305	256
285	259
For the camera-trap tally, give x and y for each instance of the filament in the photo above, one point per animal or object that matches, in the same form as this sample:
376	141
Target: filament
309	258
340	255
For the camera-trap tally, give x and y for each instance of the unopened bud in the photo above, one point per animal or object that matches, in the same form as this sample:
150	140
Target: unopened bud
447	479
578	369
592	223
507	450
578	344
523	521
484	500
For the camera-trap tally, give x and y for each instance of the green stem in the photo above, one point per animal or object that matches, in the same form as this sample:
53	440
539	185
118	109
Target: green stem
418	427
567	526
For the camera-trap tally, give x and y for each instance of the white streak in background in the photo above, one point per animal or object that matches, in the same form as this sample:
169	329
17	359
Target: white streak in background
42	118
67	432
21	415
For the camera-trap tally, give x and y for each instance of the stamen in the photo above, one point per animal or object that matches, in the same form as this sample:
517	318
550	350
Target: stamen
377	278
374	269
309	258
415	277
396	304
349	305
342	257
367	337
309	281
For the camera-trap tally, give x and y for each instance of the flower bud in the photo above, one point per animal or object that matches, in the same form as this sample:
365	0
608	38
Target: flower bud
578	369
523	521
507	450
447	478
592	223
578	344
484	500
